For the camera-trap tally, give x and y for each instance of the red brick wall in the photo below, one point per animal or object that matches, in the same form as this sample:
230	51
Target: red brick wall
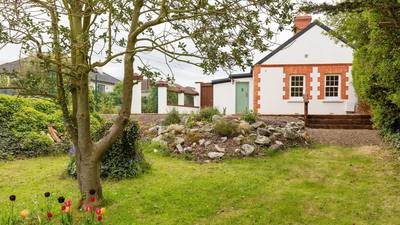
333	69
290	70
256	89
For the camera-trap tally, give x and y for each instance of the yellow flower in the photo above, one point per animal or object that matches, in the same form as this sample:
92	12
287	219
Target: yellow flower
24	213
102	211
66	210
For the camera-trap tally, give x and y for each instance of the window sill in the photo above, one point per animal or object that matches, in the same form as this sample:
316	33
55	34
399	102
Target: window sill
295	101
333	101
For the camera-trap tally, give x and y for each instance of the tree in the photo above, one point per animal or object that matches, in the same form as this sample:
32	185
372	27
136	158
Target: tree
208	34
373	28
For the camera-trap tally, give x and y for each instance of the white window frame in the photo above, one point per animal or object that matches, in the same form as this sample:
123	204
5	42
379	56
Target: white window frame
297	98
339	85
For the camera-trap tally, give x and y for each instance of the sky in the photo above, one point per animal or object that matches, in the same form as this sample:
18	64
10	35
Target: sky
184	74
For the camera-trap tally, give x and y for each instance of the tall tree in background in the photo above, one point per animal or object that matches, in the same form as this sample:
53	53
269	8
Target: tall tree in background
208	34
373	28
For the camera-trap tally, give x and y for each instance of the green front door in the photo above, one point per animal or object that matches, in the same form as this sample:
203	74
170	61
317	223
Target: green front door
242	97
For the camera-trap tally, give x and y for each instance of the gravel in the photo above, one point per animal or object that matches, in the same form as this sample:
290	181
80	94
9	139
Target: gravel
344	137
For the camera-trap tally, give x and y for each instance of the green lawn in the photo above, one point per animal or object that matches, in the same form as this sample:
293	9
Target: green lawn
325	185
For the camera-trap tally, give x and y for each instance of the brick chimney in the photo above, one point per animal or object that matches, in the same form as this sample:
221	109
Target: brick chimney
301	22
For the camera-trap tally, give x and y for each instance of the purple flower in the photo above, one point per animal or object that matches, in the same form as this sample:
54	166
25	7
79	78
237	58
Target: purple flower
72	150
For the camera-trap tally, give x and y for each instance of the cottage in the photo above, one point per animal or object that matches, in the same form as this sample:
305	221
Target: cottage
310	64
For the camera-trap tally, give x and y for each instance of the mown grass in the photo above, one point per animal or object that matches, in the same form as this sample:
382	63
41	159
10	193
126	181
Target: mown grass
325	185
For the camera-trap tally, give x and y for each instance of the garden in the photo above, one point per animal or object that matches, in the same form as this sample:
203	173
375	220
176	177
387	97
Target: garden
164	173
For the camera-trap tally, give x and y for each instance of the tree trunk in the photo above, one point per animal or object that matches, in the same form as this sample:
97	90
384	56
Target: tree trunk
89	181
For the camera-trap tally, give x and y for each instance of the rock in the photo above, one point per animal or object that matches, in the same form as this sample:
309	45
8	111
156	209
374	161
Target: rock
194	130
215	155
223	139
180	148
162	130
216	118
177	128
219	149
157	139
245	126
238	139
207	143
247	149
276	146
289	134
194	144
262	140
263	131
207	128
179	140
187	149
237	150
201	142
155	128
258	124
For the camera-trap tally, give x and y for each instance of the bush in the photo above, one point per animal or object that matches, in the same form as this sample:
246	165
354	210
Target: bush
124	159
226	128
206	114
23	127
172	118
249	116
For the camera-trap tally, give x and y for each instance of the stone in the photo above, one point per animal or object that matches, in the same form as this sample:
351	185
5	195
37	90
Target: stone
194	144
194	130
202	141
207	128
180	148
219	149
157	139
262	140
238	139
289	134
263	131
162	130
207	143
247	149
223	139
258	124
276	146
216	118
245	126
237	150
215	155
187	149
153	129
179	140
177	128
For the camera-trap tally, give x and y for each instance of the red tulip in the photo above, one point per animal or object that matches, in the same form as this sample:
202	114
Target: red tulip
68	202
92	199
89	208
49	215
63	207
98	211
99	218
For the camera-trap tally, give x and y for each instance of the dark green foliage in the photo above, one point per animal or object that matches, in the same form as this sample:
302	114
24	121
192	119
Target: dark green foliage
206	114
372	27
124	159
172	98
172	117
23	127
249	116
226	128
150	103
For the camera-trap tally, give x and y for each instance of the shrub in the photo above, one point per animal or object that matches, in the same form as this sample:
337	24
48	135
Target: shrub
249	116
206	114
226	128
124	159
23	127
172	118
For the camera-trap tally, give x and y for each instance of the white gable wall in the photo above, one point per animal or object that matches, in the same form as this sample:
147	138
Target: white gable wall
319	47
312	48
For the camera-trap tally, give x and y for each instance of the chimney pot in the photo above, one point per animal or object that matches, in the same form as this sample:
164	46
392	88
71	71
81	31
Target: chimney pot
301	22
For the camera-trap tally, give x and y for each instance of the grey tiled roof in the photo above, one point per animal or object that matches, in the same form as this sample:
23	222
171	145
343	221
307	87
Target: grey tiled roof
101	76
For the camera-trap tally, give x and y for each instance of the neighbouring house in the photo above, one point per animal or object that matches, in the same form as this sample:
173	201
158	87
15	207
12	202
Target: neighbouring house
311	64
105	82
